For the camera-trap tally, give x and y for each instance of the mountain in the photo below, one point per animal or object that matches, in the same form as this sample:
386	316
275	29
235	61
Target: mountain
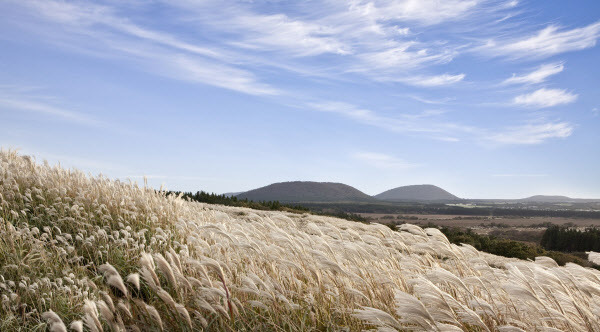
306	191
421	192
548	199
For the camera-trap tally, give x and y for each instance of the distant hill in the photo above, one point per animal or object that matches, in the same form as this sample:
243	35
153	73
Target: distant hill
547	199
415	193
306	191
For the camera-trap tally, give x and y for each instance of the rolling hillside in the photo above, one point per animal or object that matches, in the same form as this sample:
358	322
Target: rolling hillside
101	255
306	191
416	193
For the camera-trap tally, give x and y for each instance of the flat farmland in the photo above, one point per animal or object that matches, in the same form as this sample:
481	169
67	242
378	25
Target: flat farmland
475	221
524	229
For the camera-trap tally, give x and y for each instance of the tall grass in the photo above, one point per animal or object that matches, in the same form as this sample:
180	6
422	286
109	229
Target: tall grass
89	253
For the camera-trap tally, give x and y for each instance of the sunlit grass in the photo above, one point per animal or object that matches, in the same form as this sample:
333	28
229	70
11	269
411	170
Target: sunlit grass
90	253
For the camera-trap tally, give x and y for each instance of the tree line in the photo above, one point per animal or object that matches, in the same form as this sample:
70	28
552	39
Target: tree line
570	239
212	198
512	248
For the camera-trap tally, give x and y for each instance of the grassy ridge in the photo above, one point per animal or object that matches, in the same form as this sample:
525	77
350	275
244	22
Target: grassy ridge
107	256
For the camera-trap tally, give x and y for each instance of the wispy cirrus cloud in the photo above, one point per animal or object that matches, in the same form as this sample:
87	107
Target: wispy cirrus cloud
30	103
383	161
373	38
537	76
365	36
433	81
369	117
381	41
531	133
423	124
545	98
512	175
425	12
405	55
429	101
548	41
297	37
101	29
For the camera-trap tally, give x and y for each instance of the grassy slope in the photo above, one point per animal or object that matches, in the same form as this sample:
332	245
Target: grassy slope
182	265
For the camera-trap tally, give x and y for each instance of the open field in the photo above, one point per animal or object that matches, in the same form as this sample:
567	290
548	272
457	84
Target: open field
474	221
524	229
109	256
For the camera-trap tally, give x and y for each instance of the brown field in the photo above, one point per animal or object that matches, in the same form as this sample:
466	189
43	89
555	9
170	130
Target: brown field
473	221
525	229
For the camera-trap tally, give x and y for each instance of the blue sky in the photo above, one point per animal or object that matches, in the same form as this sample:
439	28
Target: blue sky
485	98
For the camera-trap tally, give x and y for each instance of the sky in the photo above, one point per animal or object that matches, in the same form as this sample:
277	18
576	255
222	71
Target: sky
484	98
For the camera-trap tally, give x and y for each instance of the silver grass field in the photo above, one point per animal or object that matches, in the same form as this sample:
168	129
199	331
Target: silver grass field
86	253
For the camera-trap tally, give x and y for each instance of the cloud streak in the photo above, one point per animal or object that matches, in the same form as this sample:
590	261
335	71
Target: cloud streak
543	98
100	28
547	42
433	81
537	76
382	43
532	133
29	104
293	36
519	175
383	161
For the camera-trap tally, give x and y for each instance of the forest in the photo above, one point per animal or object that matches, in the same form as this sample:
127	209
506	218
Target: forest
571	239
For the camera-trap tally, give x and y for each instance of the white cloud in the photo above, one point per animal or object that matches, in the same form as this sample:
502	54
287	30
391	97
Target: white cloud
519	175
431	101
373	38
361	115
546	42
82	17
537	76
426	12
402	123
102	32
29	104
532	133
423	124
545	98
402	56
201	71
424	114
432	81
403	31
279	32
512	3
383	161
